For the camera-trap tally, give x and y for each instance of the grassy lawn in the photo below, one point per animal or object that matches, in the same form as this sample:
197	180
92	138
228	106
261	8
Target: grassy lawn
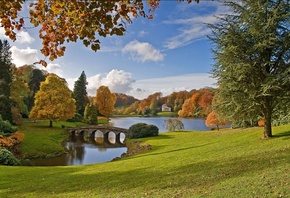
167	114
225	163
43	141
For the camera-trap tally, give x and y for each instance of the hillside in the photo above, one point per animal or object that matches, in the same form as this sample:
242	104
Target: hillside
226	163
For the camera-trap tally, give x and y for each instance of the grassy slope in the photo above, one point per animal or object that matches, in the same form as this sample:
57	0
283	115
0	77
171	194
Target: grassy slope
41	139
228	163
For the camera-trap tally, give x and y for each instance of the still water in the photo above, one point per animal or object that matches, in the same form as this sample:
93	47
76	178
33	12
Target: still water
83	151
195	124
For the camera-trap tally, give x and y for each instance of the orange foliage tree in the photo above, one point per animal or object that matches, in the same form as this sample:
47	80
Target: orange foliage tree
205	102
105	100
213	121
189	106
69	21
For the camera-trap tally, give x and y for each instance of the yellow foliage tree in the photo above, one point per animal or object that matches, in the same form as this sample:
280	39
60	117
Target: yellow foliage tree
105	100
213	121
69	21
53	101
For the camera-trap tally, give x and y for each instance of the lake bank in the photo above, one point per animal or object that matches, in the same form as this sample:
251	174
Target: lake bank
225	163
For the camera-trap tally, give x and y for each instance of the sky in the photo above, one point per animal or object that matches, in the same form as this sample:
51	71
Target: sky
168	53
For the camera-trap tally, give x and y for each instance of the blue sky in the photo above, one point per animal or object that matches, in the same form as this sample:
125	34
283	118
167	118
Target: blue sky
166	54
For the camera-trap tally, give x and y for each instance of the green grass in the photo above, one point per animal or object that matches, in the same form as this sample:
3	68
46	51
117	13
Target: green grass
167	114
43	141
225	163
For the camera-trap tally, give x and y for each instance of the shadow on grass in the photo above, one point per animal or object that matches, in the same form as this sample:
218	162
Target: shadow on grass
286	135
194	176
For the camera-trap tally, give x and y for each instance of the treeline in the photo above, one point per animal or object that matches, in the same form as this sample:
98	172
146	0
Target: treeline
28	92
194	103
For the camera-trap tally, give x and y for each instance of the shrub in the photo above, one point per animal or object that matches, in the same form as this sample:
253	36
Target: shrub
12	140
16	116
141	130
173	124
91	114
7	158
6	128
77	118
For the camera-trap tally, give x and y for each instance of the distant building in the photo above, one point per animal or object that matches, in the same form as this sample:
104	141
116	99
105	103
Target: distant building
166	108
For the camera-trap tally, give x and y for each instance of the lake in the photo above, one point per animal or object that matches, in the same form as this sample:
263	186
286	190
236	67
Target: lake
196	124
83	151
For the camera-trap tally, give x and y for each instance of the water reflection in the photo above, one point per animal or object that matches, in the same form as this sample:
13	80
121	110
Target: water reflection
84	150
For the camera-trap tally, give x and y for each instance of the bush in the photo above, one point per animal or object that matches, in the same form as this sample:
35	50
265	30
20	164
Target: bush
91	114
7	158
141	130
77	118
6	128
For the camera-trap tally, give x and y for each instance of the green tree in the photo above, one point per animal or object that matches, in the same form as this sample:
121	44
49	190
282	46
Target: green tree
53	101
5	80
36	77
80	93
19	91
18	94
105	100
91	114
173	124
61	21
252	60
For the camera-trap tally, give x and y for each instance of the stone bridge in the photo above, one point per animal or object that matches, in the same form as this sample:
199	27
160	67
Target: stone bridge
90	131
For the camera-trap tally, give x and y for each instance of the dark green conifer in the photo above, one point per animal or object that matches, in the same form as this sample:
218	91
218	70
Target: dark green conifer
252	53
80	93
5	80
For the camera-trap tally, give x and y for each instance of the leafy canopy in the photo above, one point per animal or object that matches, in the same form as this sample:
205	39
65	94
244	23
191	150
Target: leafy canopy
53	101
69	21
252	53
105	100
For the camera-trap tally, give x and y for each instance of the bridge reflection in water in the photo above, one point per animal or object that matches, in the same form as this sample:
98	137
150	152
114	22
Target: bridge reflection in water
105	135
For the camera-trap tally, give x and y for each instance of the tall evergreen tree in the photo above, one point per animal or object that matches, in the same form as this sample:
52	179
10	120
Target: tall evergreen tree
252	52
36	77
80	93
5	80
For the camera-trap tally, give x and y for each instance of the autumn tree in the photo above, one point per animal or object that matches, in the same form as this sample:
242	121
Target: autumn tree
105	100
252	60
213	121
53	101
205	102
5	80
190	106
80	93
60	21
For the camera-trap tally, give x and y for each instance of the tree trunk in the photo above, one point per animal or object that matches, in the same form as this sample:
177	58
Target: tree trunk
267	128
50	123
268	120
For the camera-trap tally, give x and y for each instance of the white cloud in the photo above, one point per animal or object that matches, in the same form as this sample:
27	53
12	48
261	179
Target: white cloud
142	52
21	36
21	57
167	85
193	28
24	37
54	68
118	81
94	82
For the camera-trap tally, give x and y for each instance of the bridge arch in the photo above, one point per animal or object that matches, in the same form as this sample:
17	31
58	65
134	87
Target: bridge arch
118	134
